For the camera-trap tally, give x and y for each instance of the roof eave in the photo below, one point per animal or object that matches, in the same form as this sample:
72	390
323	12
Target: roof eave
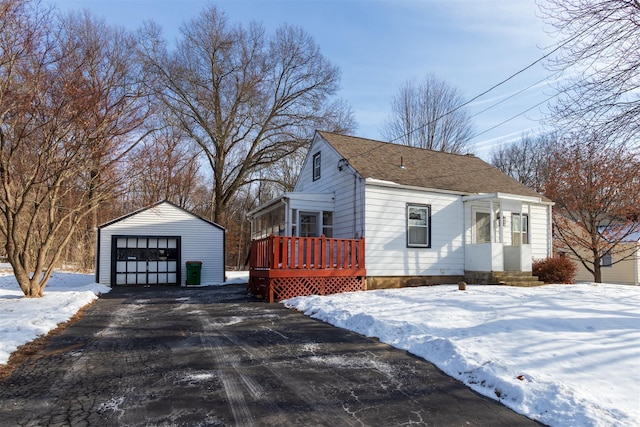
507	196
391	184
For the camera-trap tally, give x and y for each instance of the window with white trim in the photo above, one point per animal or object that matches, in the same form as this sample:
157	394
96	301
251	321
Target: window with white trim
482	227
327	224
317	163
418	226
519	229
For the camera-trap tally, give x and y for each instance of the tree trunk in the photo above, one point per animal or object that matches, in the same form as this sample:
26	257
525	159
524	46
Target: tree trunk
597	270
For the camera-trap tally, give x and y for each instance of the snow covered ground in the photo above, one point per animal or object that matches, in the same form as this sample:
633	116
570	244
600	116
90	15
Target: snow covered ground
565	355
24	319
561	354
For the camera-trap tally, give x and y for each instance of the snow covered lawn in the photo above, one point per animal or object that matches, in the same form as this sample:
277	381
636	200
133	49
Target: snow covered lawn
560	354
23	319
565	355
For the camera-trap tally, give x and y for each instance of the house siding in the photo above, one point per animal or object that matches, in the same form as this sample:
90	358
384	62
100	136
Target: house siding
622	272
200	240
345	185
539	224
387	253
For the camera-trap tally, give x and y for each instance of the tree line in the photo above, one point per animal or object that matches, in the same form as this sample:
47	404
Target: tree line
96	121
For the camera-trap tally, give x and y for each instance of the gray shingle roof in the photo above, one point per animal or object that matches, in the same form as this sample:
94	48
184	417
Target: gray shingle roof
465	174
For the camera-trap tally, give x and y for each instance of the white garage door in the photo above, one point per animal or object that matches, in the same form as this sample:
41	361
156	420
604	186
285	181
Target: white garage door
146	260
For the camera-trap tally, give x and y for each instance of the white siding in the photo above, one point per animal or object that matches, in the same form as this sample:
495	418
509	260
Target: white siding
539	226
201	241
387	253
343	184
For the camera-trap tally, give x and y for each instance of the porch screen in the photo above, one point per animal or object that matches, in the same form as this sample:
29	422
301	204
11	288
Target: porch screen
270	222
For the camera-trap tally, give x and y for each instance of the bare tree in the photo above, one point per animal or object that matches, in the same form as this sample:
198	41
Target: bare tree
428	115
249	99
600	43
165	166
69	104
526	159
595	184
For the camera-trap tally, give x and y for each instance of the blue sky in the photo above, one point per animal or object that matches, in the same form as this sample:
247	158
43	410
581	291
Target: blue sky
380	44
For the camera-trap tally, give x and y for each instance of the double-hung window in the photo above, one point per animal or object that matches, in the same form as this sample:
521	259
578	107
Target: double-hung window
519	229
419	226
606	260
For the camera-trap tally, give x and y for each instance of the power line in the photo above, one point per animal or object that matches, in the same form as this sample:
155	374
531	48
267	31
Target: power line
554	50
541	58
511	96
513	117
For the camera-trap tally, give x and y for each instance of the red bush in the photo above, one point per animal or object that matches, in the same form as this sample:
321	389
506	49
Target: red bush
554	270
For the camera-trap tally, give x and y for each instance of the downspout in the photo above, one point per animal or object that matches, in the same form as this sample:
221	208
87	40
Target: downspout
492	237
355	206
635	263
287	216
501	224
550	233
492	218
97	255
464	233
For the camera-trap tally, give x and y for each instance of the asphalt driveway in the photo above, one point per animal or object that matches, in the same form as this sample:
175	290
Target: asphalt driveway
218	357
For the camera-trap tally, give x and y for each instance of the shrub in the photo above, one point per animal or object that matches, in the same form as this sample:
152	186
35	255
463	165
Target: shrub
556	269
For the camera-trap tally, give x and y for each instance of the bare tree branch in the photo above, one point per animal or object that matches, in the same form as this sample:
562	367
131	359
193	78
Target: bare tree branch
248	99
427	115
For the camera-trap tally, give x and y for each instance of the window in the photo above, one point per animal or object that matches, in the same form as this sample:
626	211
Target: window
309	224
519	229
294	222
606	260
483	227
316	166
419	226
327	224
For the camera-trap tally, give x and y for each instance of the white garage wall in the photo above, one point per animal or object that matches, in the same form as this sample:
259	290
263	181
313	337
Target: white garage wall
201	240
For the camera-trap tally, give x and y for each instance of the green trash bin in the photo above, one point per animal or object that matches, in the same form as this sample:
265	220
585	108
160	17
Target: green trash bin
193	272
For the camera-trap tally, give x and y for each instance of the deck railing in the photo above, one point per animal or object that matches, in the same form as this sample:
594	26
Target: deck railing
283	266
307	253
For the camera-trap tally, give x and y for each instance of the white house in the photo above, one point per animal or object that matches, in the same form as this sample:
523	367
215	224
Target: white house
427	217
153	245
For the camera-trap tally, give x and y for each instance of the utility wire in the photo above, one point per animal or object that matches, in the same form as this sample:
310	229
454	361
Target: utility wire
513	95
513	117
543	57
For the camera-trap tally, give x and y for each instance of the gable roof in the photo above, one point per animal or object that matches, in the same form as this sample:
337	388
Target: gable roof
129	215
465	174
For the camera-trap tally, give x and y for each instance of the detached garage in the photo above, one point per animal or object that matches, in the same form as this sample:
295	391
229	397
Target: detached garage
153	246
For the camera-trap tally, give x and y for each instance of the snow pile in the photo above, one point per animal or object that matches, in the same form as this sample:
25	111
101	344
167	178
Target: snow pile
24	319
559	354
236	277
